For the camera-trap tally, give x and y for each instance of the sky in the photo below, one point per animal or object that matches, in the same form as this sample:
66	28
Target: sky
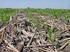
57	4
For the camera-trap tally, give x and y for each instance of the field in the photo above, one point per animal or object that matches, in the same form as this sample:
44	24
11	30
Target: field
57	13
52	24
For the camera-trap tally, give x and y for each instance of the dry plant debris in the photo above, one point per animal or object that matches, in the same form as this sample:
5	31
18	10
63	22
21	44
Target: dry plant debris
20	36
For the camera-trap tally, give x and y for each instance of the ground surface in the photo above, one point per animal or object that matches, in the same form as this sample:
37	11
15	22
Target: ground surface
34	30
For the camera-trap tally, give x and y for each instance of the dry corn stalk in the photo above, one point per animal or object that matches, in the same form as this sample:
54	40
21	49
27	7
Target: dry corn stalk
57	24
